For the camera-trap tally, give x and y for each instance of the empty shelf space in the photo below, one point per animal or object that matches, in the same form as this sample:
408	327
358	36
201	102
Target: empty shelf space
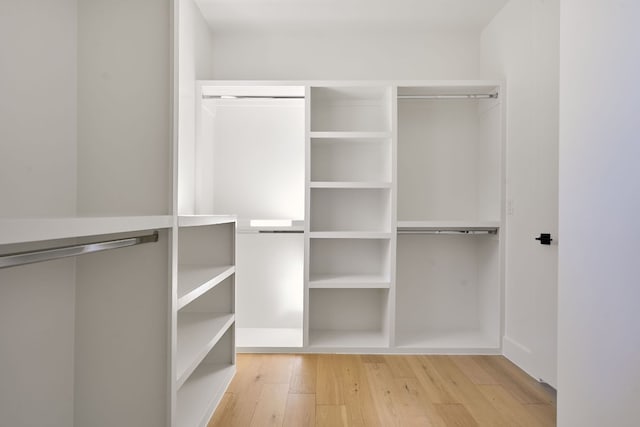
268	337
197	334
347	281
40	229
467	339
199	220
193	281
350	184
199	396
318	137
323	338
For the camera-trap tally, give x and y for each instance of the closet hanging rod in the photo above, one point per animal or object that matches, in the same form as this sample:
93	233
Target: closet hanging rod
39	255
452	96
252	96
447	232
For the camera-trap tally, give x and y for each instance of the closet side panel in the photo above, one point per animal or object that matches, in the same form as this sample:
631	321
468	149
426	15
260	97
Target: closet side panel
36	344
37	178
195	57
124	107
121	361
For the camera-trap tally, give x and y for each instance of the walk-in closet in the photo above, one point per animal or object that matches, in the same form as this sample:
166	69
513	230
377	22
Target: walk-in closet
184	181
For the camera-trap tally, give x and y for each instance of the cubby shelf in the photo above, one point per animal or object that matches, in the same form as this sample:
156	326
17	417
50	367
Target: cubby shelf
350	184
198	333
201	393
449	225
349	281
349	235
324	338
316	137
195	280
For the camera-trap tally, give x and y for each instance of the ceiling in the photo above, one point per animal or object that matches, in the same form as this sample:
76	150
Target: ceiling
260	15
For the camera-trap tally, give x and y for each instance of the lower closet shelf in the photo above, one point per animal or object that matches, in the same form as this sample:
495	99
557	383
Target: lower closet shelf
326	338
349	281
268	337
194	280
464	339
198	333
202	392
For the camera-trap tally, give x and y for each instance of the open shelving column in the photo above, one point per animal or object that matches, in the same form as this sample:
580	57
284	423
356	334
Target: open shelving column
350	220
250	162
448	289
204	310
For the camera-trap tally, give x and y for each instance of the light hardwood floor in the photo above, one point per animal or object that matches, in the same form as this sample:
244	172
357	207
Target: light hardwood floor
350	390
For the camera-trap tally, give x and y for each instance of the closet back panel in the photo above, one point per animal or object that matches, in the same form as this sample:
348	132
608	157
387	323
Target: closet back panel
350	109
330	257
348	309
350	210
37	313
448	160
272	267
351	160
251	158
121	365
448	283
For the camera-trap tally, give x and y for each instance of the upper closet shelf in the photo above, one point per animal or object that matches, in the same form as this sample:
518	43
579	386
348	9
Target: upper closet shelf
350	135
350	184
199	220
449	225
40	229
349	235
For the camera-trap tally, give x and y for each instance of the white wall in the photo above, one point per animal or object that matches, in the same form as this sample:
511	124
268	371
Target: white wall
37	178
195	62
521	45
362	54
599	285
124	107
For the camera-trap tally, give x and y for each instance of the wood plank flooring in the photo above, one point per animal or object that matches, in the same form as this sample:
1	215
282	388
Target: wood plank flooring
333	390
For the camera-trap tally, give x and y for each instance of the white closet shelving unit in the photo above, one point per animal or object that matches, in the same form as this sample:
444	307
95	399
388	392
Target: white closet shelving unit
205	316
402	221
350	240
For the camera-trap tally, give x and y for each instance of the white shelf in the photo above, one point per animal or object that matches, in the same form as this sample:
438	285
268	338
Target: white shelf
348	135
268	337
194	280
449	225
197	335
349	281
451	340
349	235
199	220
350	184
199	396
40	229
322	338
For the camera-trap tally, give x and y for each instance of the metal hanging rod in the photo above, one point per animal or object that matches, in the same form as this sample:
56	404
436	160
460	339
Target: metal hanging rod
39	255
452	96
252	96
446	232
282	231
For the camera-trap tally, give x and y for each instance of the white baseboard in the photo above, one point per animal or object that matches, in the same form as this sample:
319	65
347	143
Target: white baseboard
519	355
